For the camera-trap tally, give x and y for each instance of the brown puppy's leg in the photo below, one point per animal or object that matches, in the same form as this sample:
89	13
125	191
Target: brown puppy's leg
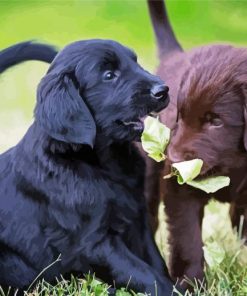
235	213
184	209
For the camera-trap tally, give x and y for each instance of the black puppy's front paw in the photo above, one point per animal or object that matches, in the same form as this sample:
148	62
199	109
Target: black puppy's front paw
111	291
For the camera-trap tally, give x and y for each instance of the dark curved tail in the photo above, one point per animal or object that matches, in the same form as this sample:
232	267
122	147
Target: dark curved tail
26	51
165	36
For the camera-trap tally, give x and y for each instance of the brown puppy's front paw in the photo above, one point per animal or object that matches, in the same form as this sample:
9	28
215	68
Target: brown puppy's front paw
191	274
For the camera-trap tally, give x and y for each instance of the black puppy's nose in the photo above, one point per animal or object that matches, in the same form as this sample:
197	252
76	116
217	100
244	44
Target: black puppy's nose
159	91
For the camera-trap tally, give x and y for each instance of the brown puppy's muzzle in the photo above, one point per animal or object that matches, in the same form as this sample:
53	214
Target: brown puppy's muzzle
177	155
182	152
174	155
178	150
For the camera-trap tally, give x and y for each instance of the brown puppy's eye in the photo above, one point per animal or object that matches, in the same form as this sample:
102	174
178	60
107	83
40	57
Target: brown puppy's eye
213	119
217	122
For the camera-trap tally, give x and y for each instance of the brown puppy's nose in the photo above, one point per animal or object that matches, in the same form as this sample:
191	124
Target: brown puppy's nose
159	91
189	155
174	156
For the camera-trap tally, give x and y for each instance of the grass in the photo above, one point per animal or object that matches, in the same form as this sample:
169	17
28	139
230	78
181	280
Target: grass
224	251
90	286
61	22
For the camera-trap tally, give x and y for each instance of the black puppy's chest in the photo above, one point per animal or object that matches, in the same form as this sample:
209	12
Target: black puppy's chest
126	206
122	197
83	203
117	194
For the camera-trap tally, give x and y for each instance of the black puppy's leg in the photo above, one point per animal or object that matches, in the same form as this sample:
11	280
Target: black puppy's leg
126	268
15	271
184	207
151	253
236	212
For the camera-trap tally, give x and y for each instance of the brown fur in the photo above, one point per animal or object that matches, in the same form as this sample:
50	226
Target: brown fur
210	126
207	114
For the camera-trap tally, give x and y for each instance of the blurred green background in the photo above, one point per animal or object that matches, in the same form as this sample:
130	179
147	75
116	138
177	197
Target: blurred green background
61	22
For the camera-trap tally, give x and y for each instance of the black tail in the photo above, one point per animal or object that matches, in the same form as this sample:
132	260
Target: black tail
165	36
25	51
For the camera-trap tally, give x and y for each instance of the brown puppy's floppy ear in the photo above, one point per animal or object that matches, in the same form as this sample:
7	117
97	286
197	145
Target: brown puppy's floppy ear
242	87
61	111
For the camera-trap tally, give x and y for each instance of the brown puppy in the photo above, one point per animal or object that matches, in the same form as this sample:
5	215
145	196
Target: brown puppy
209	122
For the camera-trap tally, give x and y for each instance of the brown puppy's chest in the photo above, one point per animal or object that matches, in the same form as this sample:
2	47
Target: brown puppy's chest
237	192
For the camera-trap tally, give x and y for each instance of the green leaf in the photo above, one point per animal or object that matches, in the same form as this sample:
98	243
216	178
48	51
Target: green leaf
187	170
155	138
122	292
214	254
210	184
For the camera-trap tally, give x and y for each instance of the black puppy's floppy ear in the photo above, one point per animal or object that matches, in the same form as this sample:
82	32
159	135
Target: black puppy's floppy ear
61	111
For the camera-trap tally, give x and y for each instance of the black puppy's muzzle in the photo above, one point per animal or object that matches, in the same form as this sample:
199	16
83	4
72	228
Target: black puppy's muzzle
160	97
150	99
159	92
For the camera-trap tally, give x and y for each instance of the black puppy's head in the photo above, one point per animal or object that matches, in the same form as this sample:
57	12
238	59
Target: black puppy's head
96	90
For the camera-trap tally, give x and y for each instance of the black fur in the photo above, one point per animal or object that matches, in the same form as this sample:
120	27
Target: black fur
26	51
74	184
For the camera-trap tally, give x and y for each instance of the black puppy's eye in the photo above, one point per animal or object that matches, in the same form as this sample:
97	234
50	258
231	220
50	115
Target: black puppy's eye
109	75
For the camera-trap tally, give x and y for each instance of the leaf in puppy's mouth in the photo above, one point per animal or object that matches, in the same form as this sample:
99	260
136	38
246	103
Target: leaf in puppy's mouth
155	138
188	171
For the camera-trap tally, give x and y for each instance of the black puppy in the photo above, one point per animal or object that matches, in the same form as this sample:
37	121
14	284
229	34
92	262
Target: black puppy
74	184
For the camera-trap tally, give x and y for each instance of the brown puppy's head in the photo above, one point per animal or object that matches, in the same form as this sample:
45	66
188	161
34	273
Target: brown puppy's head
212	118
